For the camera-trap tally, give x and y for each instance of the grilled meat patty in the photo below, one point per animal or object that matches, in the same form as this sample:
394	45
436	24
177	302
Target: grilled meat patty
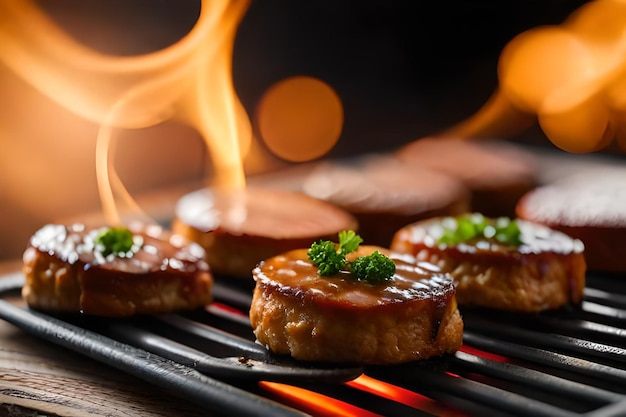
497	174
296	311
589	206
239	228
65	272
384	193
546	271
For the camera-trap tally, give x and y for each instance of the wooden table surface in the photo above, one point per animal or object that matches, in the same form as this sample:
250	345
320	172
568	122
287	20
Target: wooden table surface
38	378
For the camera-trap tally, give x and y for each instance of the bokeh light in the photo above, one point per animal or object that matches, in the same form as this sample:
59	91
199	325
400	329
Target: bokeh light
300	118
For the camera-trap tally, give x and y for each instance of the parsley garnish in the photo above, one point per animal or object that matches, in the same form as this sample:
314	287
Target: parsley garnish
324	255
373	268
116	240
466	227
330	258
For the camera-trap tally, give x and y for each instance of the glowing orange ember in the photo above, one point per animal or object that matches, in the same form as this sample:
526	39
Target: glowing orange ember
314	403
483	354
396	393
321	405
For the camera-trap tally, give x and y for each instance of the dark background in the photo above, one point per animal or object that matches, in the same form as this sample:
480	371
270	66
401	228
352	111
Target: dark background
404	69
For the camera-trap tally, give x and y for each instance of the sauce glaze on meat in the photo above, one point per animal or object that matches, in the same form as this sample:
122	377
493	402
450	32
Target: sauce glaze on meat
153	250
336	318
546	271
162	272
293	275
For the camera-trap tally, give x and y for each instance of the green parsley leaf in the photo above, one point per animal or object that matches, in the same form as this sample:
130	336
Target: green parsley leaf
330	258
324	255
115	240
508	233
349	241
373	268
468	227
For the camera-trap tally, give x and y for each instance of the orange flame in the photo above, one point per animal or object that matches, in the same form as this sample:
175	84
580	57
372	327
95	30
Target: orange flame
569	76
189	81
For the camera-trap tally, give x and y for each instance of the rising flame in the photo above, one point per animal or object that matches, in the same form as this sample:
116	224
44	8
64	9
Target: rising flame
570	77
190	82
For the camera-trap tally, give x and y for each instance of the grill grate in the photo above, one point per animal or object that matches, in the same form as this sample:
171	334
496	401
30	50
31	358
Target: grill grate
563	363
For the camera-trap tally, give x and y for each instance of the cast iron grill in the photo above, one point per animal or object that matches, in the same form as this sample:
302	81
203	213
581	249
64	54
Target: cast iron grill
567	363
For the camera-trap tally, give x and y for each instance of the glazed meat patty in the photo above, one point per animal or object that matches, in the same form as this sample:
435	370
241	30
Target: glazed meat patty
66	272
545	271
385	193
239	228
497	174
589	205
297	312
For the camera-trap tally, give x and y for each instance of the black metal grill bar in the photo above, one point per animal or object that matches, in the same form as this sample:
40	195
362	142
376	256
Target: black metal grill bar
547	358
549	384
229	368
603	311
584	329
557	342
253	350
444	387
617	409
234	292
604	297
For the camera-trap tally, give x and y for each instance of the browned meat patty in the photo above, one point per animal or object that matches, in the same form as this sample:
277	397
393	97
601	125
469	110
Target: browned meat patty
546	271
497	174
384	193
590	206
296	311
238	229
65	272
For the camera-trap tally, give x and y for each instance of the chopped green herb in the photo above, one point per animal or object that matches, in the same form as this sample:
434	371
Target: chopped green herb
467	227
373	268
349	241
330	258
508	232
115	240
324	255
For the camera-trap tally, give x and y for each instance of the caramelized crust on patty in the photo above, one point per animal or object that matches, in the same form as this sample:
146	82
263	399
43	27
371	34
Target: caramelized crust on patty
64	274
589	206
497	174
384	193
296	311
239	228
546	272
